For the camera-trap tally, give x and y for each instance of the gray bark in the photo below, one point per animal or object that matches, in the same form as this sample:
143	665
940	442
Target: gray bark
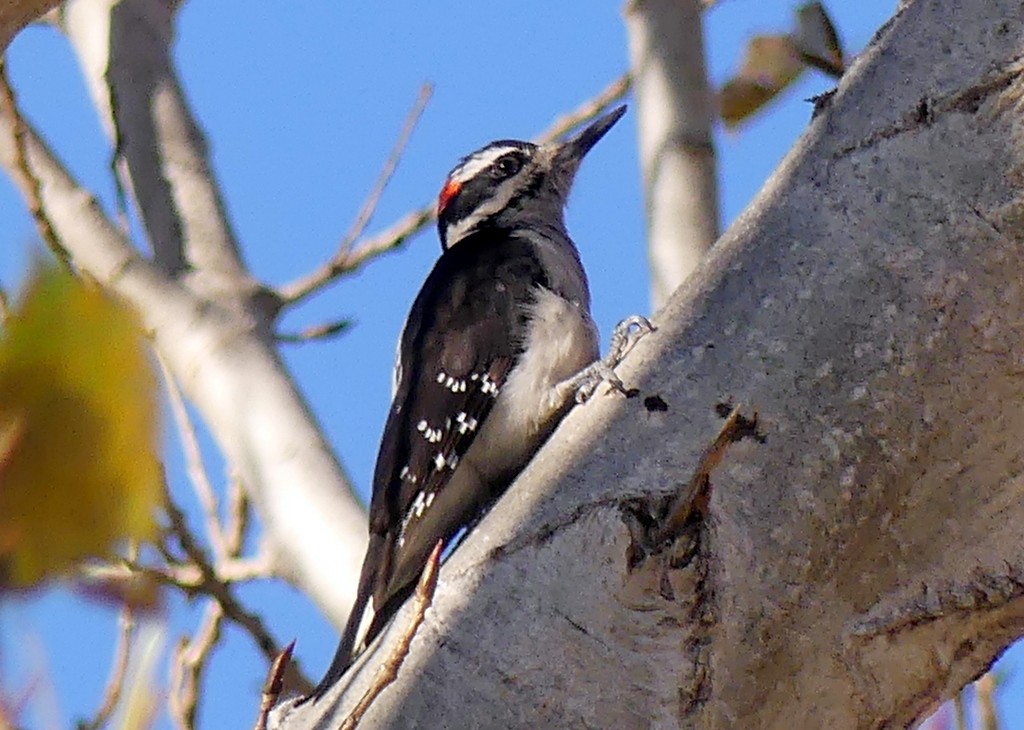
675	113
864	561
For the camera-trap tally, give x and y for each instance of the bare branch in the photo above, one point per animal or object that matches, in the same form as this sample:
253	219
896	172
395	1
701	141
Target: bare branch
337	265
355	257
389	239
388	671
323	331
97	246
23	174
273	685
194	464
959	712
188	665
736	426
984	690
239	516
115	684
212	585
590	109
675	114
241	570
124	51
370	205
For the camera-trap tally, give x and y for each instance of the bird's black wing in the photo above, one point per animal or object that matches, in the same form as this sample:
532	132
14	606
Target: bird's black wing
459	345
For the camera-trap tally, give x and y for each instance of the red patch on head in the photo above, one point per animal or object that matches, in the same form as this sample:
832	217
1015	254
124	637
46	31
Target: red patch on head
449	191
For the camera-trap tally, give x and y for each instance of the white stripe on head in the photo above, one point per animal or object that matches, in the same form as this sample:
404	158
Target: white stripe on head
480	161
498	202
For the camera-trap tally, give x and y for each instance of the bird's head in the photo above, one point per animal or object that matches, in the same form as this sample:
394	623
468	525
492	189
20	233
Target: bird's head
513	184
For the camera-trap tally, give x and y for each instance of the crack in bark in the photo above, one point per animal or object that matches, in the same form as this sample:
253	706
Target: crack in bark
584	630
694	695
545	532
985	592
927	111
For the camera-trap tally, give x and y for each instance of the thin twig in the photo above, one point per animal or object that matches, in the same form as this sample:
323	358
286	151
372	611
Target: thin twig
186	576
190	658
735	427
239	514
587	110
211	585
384	177
316	332
959	712
30	184
984	691
115	684
273	685
388	240
337	263
388	671
5	305
412	223
240	570
194	465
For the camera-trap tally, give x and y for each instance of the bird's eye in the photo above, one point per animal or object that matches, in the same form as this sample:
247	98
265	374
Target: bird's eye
507	166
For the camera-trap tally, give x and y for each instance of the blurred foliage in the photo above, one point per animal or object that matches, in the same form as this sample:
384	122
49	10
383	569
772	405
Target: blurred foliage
78	430
773	62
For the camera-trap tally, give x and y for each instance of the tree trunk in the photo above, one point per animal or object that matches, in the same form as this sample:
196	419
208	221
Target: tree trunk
675	113
16	14
867	558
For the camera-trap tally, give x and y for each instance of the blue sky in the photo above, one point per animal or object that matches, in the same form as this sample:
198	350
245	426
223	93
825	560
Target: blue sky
301	103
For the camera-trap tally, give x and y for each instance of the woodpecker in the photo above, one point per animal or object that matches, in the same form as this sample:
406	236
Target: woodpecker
498	345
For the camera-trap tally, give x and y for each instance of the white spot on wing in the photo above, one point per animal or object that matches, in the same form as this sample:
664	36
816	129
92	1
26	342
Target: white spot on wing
488	386
466	422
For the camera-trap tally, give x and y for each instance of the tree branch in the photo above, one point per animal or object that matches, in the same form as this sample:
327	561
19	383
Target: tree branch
124	49
356	256
188	664
675	113
115	684
339	263
194	466
229	368
388	671
868	306
28	182
16	14
323	331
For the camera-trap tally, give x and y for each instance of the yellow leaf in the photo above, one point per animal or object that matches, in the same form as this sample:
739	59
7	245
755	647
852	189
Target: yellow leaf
771	64
79	470
817	40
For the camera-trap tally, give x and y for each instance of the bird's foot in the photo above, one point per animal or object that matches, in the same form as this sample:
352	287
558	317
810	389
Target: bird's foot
627	333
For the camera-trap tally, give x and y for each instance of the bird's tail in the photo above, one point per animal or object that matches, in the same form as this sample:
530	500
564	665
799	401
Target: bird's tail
346	652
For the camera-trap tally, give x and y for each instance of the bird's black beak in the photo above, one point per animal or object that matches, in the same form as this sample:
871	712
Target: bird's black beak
570	154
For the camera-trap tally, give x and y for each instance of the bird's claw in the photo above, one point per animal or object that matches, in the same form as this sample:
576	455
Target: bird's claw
625	336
